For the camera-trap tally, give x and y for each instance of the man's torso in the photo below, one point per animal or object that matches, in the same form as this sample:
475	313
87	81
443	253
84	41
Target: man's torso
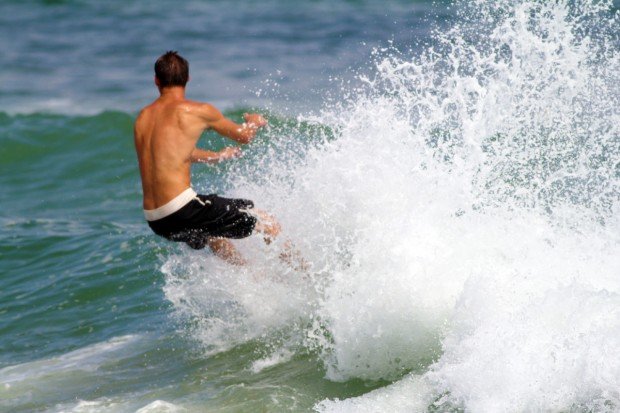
165	135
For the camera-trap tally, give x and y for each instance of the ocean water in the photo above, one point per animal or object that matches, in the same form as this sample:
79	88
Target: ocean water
450	171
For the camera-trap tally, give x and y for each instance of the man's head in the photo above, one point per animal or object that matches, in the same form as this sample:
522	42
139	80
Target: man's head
171	70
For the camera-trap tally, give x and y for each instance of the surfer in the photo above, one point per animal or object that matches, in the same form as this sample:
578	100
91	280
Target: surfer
165	135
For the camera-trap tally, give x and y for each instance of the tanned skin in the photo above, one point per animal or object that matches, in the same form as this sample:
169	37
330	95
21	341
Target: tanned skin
165	135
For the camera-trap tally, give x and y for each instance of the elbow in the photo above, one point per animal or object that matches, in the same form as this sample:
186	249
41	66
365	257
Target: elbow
193	157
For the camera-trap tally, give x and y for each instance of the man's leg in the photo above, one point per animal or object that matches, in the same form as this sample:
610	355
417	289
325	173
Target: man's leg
266	225
270	228
225	250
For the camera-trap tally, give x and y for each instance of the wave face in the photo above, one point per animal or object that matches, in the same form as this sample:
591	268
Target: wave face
461	218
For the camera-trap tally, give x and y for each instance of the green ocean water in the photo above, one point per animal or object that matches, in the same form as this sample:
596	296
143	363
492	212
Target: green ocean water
450	170
82	287
81	268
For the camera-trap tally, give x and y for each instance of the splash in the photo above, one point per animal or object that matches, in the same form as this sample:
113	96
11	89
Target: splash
462	220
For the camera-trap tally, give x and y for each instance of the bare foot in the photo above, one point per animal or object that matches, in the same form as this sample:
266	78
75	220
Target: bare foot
292	256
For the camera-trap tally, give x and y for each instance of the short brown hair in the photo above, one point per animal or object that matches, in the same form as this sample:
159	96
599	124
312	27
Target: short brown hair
171	69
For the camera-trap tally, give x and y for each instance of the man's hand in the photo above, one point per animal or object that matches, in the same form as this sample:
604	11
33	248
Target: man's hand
230	152
254	120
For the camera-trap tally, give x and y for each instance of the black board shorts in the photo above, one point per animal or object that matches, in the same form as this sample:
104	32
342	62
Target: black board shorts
204	217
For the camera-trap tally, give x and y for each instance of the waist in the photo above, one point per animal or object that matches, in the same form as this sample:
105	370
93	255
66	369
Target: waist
171	206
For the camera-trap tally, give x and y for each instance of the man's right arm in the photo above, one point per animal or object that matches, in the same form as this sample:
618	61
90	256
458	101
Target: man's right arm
240	133
201	156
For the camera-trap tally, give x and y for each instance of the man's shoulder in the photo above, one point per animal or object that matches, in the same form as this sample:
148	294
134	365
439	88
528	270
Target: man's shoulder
142	115
203	109
144	112
194	104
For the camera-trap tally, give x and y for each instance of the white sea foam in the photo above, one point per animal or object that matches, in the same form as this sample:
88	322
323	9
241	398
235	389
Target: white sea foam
50	377
277	357
85	359
124	403
229	305
463	223
85	406
411	394
160	406
47	378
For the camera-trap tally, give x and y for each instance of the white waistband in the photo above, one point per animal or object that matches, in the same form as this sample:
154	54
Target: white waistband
170	207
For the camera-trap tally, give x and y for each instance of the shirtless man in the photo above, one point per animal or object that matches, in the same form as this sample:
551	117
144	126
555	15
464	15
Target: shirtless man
165	135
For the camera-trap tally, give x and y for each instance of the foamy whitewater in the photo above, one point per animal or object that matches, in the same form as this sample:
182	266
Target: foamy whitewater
461	221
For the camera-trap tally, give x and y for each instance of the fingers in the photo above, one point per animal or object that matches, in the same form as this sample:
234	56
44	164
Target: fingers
255	119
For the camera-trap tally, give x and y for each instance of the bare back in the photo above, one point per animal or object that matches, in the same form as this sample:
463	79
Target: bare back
166	133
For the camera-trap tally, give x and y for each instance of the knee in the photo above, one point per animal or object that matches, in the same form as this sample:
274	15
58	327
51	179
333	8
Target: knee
274	228
268	225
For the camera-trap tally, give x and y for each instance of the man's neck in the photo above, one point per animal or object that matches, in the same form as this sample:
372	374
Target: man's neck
172	92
